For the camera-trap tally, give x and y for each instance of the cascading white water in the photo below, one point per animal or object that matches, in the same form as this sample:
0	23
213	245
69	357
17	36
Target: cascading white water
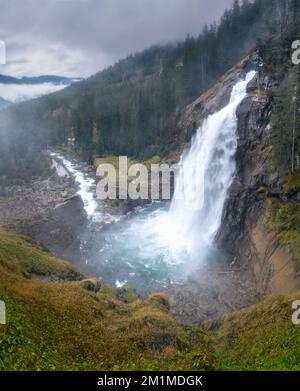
85	183
208	167
157	244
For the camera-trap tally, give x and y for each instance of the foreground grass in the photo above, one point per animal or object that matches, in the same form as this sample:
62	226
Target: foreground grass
261	337
65	325
57	321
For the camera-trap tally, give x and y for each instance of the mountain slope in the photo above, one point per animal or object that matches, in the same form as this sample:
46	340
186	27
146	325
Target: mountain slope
131	108
259	337
58	321
4	79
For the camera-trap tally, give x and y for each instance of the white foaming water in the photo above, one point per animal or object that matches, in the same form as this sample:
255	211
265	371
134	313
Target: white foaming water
158	244
84	182
190	226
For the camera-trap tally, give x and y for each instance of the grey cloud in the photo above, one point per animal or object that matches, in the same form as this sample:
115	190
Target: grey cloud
80	37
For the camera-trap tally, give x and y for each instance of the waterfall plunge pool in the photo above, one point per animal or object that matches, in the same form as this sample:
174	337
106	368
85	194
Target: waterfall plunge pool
162	243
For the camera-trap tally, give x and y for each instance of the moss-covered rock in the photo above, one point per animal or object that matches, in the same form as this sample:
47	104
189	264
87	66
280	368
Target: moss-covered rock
91	284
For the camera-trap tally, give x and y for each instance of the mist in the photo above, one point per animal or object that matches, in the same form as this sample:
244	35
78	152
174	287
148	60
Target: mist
17	93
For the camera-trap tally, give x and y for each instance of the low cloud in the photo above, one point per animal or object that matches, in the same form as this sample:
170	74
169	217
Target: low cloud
17	93
80	37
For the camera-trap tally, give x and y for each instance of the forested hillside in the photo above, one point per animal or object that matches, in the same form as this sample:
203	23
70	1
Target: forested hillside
285	122
131	107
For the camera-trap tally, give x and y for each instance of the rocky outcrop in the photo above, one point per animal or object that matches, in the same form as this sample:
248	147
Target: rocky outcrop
211	101
91	284
248	190
47	211
59	231
252	250
245	232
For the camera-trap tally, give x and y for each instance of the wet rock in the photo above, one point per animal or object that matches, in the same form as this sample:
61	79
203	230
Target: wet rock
244	233
58	229
260	265
245	199
253	85
61	232
72	210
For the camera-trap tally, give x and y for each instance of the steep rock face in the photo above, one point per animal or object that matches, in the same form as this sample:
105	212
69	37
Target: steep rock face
252	250
251	245
211	101
248	190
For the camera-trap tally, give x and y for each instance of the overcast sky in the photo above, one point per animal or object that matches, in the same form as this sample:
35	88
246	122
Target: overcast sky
81	37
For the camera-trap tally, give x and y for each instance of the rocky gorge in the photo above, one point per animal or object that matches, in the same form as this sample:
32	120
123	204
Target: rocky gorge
250	261
255	262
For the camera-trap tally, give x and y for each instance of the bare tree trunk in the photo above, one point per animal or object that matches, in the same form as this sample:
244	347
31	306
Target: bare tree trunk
294	130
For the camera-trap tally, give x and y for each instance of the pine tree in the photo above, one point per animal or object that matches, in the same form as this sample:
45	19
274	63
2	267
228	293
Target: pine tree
285	122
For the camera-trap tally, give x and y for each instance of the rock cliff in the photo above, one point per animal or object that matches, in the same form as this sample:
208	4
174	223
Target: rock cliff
252	250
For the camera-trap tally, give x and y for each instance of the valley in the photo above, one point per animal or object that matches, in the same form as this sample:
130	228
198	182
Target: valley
203	280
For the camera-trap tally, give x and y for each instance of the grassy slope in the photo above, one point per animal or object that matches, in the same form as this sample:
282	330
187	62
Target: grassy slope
284	217
261	337
62	326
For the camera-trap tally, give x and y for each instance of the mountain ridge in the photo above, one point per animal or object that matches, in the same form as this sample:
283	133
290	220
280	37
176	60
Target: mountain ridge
5	79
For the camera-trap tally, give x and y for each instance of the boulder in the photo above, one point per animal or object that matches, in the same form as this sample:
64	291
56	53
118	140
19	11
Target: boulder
91	284
60	230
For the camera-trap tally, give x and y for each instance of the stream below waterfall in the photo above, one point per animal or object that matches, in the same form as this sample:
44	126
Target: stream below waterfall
161	243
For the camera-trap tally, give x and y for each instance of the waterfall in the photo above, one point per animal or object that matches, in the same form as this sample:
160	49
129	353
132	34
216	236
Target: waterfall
160	243
206	172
